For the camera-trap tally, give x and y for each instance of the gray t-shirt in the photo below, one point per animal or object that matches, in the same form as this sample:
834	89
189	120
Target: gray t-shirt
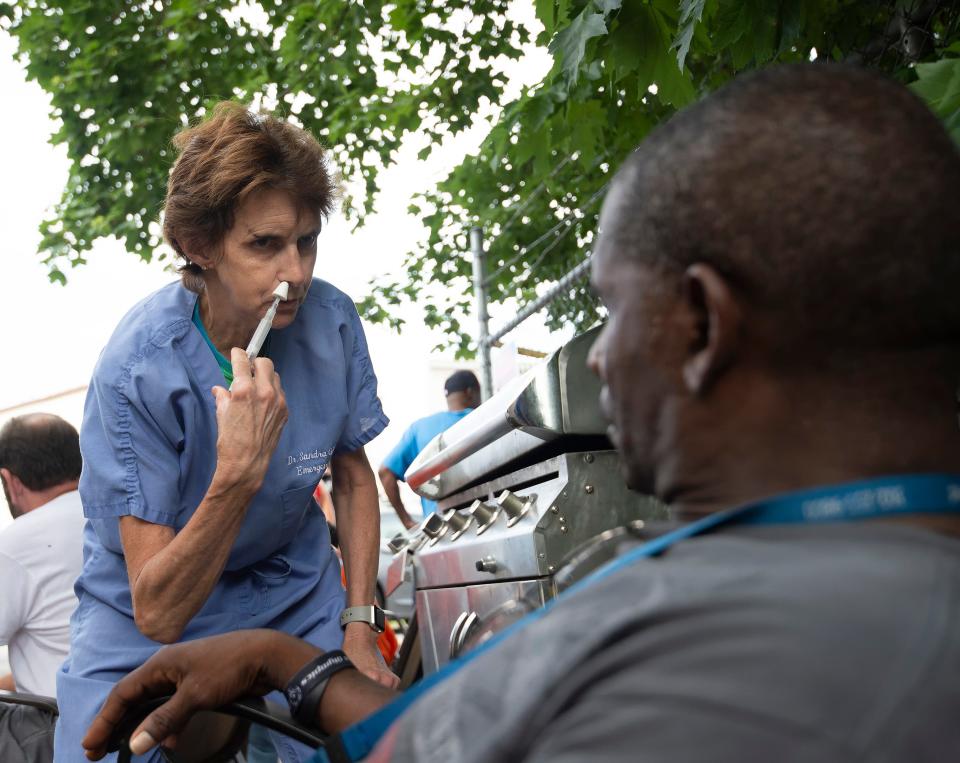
800	643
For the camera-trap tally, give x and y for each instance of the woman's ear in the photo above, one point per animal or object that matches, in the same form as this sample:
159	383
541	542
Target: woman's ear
202	262
194	255
717	318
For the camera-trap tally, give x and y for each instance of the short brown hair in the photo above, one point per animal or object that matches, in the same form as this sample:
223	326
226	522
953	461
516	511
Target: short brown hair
225	158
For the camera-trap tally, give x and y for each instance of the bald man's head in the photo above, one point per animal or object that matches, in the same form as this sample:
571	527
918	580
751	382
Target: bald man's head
779	261
41	449
826	195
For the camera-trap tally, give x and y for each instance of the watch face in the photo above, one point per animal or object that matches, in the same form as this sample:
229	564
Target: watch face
371	615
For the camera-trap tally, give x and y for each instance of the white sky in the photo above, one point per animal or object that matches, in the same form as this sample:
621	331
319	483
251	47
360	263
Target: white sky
51	335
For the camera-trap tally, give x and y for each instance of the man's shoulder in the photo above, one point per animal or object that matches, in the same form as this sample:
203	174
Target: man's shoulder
432	418
805	633
436	422
831	583
816	545
804	591
15	538
63	515
820	627
806	560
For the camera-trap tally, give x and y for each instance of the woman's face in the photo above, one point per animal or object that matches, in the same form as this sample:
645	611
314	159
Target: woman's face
272	240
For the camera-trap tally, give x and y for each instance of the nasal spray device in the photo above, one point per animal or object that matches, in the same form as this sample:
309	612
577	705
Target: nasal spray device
263	328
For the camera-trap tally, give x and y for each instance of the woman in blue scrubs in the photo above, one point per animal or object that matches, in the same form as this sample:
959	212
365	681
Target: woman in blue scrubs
199	465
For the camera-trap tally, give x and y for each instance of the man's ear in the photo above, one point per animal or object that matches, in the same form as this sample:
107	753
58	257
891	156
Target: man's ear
717	319
13	483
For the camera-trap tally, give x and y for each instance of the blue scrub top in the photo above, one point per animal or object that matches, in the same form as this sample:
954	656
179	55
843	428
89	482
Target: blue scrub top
416	438
149	450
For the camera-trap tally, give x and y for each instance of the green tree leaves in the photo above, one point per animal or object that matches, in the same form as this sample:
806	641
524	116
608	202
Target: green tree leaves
363	75
570	45
939	84
691	11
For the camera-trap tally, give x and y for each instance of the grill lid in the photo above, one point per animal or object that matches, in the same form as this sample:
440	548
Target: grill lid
556	399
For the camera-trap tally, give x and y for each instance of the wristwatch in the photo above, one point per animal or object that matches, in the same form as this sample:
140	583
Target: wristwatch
371	614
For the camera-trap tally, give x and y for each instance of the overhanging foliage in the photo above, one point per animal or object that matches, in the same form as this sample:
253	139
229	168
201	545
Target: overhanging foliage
361	75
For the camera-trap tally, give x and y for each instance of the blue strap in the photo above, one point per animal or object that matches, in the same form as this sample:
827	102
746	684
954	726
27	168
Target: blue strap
866	499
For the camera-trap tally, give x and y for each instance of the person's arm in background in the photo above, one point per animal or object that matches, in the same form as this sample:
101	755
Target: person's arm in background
358	528
7	683
392	470
391	487
208	673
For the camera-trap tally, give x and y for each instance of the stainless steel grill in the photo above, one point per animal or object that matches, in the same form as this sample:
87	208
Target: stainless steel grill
522	483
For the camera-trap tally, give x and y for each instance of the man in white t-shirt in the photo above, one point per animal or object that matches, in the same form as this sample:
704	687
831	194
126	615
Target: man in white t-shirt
41	552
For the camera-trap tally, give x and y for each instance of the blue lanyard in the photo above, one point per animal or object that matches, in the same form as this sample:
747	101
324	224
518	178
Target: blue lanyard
852	501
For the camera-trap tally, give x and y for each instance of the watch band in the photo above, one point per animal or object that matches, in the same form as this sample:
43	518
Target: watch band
306	688
370	614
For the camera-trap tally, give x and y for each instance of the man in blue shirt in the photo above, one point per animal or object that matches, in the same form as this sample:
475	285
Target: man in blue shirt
463	395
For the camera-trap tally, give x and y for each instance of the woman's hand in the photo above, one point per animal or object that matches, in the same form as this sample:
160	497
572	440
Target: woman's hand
201	675
360	645
172	574
250	417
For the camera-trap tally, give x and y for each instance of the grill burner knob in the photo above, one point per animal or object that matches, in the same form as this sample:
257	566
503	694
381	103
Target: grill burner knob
487	564
397	543
485	515
458	523
434	528
514	506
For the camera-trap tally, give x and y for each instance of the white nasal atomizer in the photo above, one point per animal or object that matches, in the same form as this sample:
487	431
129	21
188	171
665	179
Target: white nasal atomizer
263	328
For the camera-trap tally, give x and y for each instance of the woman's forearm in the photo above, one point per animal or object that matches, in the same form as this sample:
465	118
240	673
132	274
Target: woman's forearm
358	526
173	574
174	584
358	522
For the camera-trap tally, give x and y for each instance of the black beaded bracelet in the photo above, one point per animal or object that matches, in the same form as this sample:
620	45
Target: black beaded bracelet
306	688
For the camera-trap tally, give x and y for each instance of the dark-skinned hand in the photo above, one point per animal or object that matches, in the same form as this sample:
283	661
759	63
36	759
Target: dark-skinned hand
201	675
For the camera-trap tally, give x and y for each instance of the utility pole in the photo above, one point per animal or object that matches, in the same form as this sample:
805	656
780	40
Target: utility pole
480	294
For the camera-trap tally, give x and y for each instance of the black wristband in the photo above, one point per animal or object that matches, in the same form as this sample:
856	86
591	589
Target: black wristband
306	688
